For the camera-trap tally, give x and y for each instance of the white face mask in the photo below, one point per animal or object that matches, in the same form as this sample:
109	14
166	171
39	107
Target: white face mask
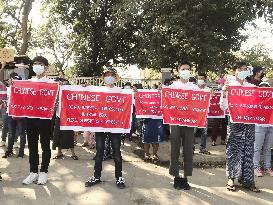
201	82
185	74
242	75
109	80
38	69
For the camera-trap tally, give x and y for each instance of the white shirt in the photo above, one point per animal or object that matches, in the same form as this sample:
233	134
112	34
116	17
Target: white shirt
43	79
184	86
224	101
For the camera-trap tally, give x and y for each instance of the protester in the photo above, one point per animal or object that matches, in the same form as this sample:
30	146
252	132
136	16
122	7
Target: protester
258	74
202	84
63	139
263	141
38	127
4	117
15	123
3	106
153	134
240	142
183	134
110	77
219	122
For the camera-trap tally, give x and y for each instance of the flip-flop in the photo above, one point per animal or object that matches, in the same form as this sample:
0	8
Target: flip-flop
231	187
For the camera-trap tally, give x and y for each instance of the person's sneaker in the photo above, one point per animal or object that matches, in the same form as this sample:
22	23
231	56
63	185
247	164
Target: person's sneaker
92	181
16	145
120	183
2	143
184	184
42	178
269	172
32	177
177	183
258	172
7	154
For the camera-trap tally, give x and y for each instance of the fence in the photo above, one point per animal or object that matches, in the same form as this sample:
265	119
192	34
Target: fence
98	81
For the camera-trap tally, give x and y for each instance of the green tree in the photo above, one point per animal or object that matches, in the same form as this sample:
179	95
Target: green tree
203	31
99	37
56	41
16	30
257	56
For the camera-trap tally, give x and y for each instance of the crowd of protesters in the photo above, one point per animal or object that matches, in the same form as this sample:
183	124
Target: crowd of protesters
244	142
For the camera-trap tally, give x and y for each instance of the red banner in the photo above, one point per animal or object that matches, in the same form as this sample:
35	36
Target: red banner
96	109
148	104
32	99
214	109
250	105
185	107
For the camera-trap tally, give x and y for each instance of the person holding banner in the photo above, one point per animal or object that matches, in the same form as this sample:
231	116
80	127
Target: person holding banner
63	139
201	82
153	133
263	140
182	135
240	141
15	124
110	77
38	127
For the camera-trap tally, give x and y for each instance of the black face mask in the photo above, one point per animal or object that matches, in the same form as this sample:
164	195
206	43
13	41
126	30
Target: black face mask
262	75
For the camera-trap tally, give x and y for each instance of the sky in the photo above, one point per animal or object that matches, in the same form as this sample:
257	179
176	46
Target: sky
261	33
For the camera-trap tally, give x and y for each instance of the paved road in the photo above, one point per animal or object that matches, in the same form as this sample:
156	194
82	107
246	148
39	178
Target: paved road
146	184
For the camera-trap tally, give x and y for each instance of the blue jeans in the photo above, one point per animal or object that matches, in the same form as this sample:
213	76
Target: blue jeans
263	139
100	145
12	126
203	137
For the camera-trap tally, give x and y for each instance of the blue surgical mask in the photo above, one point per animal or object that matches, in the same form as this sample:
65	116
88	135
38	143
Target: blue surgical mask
109	80
242	75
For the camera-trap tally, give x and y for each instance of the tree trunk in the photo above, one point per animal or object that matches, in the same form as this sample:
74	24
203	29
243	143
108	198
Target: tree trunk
24	26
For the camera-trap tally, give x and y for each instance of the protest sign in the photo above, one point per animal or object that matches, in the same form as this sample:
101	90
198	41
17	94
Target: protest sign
148	104
185	107
32	99
214	109
96	109
250	105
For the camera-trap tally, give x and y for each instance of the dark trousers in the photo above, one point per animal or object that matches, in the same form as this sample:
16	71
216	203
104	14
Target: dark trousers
215	127
4	126
20	125
100	145
35	128
181	136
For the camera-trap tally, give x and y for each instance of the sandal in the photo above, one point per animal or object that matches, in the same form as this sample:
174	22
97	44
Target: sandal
75	157
58	156
85	144
155	158
231	187
147	158
252	188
